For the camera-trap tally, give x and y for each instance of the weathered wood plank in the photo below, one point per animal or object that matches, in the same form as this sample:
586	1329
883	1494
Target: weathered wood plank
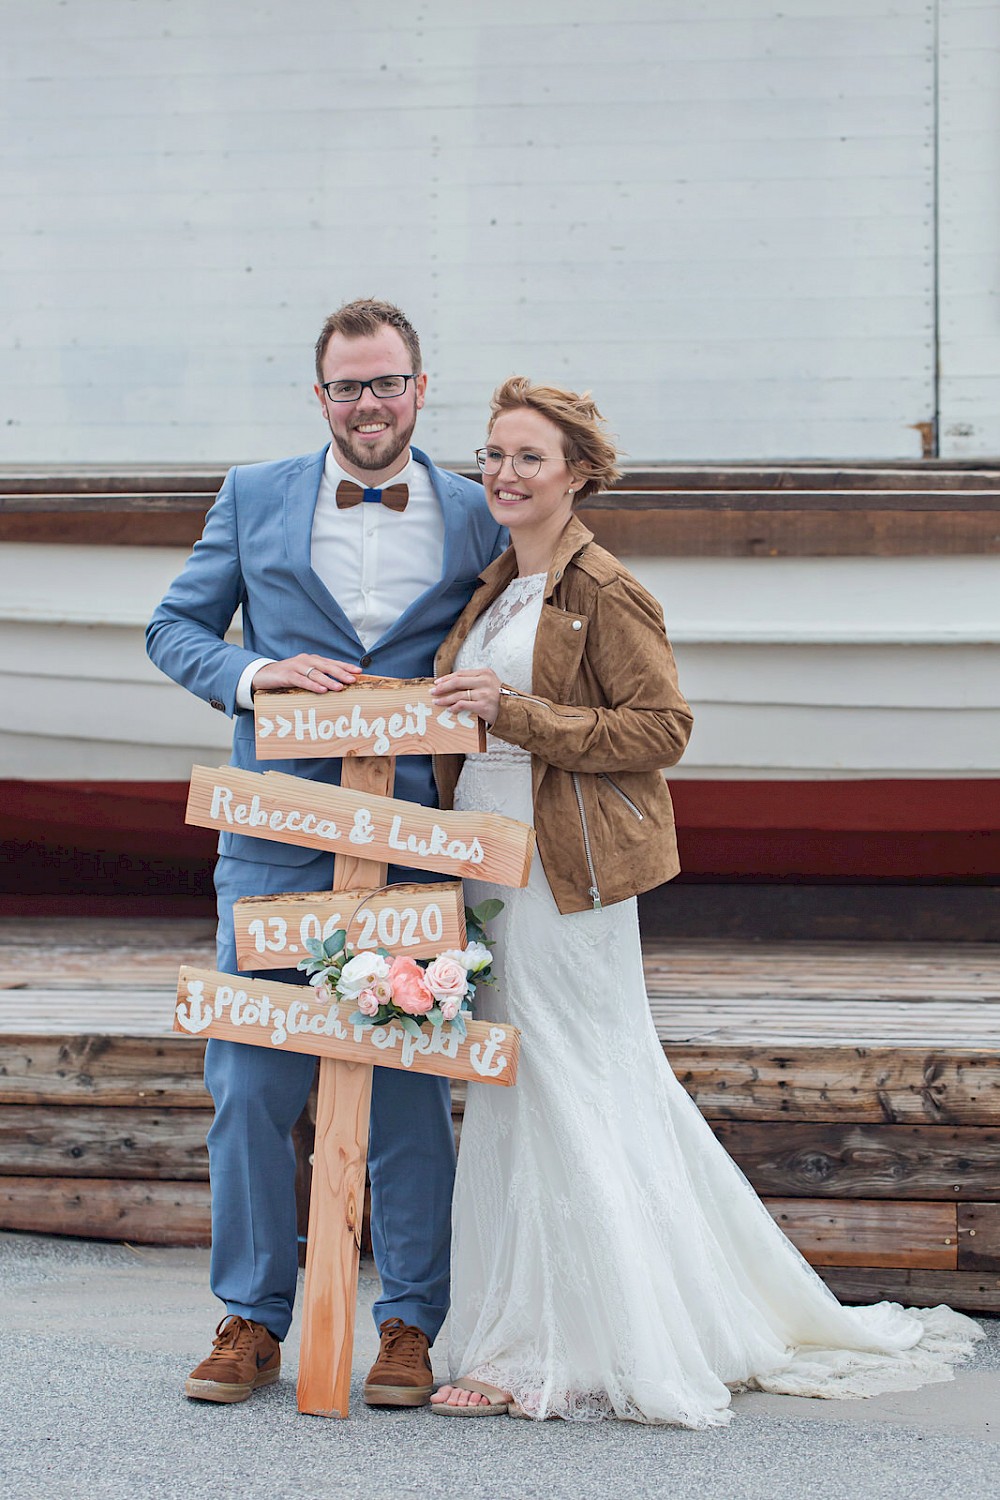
862	1233
104	1070
376	716
100	1208
895	1085
968	1291
289	1018
340	820
419	920
979	1237
914	1162
56	1141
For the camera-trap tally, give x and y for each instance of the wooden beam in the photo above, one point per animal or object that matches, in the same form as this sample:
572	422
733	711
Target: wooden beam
95	1069
792	1158
855	1233
948	1085
979	1237
969	1291
149	1213
55	1141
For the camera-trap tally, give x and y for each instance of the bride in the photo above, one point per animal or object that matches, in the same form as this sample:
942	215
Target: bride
608	1259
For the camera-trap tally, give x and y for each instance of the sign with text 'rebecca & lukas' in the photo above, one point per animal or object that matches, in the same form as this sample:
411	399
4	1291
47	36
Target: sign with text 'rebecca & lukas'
376	716
295	810
290	1018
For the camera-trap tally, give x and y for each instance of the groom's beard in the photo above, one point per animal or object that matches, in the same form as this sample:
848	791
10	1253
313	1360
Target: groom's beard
386	449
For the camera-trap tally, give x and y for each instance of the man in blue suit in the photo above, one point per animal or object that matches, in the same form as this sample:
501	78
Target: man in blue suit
357	557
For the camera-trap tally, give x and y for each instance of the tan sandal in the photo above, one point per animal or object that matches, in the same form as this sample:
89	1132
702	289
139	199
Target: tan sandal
497	1405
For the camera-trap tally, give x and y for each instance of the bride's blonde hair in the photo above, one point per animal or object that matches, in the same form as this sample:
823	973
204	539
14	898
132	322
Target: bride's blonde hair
587	447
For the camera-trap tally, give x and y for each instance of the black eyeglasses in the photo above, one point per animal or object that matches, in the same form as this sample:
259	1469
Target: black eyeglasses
383	387
525	464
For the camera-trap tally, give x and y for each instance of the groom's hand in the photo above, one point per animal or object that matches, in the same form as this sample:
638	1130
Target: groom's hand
315	674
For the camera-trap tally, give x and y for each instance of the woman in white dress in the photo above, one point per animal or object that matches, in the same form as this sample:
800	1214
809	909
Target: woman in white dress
609	1259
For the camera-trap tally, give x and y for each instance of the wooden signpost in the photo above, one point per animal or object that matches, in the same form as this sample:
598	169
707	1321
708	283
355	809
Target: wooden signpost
366	829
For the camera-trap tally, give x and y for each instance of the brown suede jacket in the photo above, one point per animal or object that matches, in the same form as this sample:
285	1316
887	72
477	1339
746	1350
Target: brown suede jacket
604	716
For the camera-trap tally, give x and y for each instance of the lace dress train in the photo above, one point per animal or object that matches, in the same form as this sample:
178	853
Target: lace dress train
608	1257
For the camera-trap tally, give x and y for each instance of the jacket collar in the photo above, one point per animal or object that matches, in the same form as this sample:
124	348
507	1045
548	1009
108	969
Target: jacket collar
498	575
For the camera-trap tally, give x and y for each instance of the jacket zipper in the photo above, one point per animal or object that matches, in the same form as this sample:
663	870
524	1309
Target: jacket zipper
624	796
594	893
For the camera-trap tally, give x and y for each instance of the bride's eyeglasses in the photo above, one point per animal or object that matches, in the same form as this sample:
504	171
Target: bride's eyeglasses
525	464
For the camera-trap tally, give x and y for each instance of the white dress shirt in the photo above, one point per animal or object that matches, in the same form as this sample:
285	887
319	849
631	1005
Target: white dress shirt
374	561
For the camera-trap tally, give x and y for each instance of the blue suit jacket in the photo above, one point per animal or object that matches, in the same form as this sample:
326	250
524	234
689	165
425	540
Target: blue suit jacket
255	553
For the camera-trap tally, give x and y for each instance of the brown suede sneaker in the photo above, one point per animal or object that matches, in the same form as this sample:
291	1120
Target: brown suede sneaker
401	1376
244	1355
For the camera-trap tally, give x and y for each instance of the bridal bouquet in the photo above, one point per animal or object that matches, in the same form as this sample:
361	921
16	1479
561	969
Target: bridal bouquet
408	991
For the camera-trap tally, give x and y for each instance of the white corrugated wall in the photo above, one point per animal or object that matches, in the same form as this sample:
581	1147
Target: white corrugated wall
718	215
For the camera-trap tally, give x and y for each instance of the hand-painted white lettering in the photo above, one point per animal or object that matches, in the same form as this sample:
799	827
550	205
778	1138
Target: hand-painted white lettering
482	1057
362	831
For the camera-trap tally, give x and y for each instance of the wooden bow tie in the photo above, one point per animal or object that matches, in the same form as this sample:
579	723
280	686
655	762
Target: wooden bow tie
349	493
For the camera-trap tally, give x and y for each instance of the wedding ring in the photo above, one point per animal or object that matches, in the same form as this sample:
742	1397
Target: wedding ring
310	671
468	694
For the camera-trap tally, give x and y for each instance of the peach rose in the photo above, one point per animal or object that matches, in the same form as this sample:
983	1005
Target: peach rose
408	988
367	1003
444	977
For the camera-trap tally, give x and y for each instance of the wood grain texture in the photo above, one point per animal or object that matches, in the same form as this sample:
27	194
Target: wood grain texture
38	1140
99	1069
861	1233
792	1158
482	846
979	1237
837	1082
377	716
148	1213
968	1291
287	920
207	1001
336	1215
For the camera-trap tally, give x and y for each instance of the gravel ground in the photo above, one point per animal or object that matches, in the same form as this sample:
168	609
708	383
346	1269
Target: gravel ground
97	1340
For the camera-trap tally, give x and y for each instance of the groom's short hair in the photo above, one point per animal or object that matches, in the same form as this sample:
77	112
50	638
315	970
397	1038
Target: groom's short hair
361	319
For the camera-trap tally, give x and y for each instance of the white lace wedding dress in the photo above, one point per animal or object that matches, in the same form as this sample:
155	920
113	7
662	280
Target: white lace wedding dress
609	1258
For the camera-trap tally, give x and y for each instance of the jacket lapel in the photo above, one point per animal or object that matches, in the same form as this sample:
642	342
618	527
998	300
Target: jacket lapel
301	494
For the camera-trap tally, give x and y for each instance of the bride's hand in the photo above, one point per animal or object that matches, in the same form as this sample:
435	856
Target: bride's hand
477	689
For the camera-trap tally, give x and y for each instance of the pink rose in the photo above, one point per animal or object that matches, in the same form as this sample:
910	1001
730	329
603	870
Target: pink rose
382	990
450	1007
408	988
445	977
367	1003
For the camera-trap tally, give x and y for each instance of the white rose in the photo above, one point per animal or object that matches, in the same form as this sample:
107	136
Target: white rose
360	973
477	957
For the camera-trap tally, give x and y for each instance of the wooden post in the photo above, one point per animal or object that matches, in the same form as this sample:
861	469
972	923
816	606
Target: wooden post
340	1156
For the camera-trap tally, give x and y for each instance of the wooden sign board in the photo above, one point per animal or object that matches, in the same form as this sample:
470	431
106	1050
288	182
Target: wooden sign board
294	810
377	716
289	1018
418	920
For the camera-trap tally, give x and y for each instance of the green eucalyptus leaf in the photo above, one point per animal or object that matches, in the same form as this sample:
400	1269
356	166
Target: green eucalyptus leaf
334	943
487	910
408	1024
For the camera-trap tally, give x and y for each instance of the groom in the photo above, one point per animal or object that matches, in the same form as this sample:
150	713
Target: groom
359	556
